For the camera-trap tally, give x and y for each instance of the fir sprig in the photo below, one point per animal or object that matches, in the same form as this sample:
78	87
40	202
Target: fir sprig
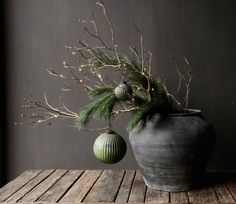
100	90
139	116
97	109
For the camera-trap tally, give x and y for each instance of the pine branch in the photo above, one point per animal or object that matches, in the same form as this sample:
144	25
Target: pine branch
99	90
139	115
101	108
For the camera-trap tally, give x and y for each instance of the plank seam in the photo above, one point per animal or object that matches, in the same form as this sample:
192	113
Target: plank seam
216	193
70	186
82	200
188	201
36	185
212	185
38	199
230	192
119	186
132	185
214	190
22	186
145	193
187	193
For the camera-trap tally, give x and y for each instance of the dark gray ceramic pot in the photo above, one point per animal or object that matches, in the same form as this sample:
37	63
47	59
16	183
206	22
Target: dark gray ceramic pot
173	151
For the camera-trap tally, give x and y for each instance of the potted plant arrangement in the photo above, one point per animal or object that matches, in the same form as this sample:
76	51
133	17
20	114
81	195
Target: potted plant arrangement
171	143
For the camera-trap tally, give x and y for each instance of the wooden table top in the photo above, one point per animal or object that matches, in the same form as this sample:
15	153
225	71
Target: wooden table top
120	186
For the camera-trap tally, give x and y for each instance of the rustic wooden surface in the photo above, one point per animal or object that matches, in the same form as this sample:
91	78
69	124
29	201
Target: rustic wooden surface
108	186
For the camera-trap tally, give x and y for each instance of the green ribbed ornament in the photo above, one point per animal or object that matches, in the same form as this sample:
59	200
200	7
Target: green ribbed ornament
109	147
123	91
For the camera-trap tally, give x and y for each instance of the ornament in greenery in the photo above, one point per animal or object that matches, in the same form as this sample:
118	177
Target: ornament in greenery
123	91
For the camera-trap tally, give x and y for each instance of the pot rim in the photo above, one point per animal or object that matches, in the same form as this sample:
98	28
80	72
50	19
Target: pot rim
189	112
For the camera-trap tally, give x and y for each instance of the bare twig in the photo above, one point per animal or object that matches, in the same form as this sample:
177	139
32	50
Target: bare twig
47	112
74	78
124	110
141	44
171	95
186	79
99	38
150	63
111	29
187	84
67	114
96	34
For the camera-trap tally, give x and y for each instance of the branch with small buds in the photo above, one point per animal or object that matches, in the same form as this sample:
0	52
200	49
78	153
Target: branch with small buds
188	82
74	78
184	78
46	112
111	29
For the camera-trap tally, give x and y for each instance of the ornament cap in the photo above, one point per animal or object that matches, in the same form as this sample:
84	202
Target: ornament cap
110	131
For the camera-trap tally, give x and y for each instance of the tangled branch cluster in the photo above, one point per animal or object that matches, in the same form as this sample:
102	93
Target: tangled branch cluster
149	94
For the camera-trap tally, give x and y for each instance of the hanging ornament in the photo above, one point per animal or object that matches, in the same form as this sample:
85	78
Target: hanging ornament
123	91
109	147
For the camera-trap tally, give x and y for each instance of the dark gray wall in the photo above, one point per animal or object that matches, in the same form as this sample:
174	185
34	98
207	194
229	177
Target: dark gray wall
202	30
3	117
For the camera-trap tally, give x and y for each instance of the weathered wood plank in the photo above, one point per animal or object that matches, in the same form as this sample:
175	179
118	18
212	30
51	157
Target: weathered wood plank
204	194
138	189
82	186
106	187
179	197
42	188
60	188
125	188
223	194
230	181
29	186
9	189
155	196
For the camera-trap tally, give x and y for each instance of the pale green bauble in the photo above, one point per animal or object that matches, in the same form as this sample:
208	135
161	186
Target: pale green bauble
123	91
109	147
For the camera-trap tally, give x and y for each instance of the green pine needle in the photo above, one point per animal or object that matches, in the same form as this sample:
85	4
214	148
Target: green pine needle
99	90
132	71
138	116
101	108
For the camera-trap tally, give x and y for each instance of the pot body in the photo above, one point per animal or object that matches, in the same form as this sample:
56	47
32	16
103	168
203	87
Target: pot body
173	151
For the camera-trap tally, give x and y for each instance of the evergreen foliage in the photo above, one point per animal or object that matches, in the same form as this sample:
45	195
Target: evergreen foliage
139	116
97	109
147	102
100	90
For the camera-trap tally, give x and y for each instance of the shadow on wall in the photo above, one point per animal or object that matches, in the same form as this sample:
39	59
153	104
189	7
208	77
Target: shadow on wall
3	97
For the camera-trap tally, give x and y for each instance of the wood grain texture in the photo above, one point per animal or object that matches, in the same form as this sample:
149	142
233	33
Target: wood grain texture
230	180
138	190
82	186
178	197
16	184
223	193
106	187
60	188
203	195
155	196
91	186
29	186
43	187
124	191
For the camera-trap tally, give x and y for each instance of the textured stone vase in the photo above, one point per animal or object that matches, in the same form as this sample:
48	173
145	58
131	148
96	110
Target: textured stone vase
173	151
